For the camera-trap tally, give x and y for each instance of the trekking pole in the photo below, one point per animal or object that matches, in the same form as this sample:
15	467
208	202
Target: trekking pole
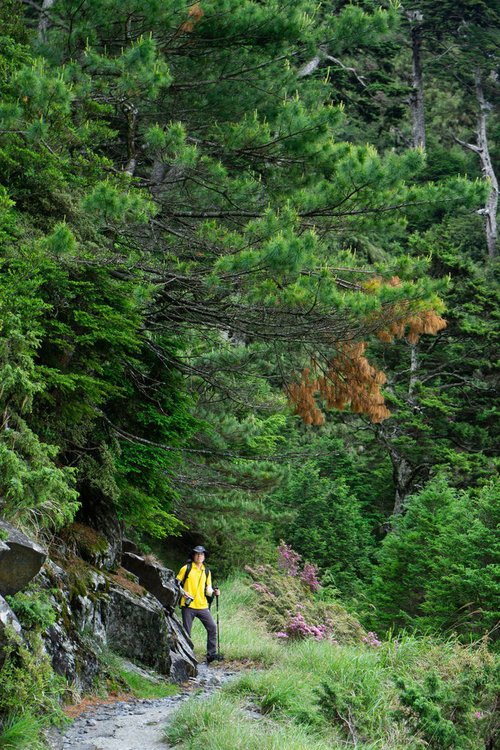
218	627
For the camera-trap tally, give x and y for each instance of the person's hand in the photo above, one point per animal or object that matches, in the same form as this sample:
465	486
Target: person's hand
217	592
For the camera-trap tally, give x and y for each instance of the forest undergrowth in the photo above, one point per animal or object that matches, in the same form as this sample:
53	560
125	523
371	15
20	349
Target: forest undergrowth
308	693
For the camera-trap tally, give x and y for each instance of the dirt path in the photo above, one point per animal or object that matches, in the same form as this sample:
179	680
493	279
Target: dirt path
136	724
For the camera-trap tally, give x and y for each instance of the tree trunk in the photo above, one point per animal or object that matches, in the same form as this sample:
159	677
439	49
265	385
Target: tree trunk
403	474
403	471
482	149
43	23
417	95
490	209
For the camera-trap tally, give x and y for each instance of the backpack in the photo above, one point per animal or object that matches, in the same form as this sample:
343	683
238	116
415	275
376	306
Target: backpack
189	565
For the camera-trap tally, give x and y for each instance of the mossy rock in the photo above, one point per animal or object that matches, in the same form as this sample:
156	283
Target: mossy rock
86	542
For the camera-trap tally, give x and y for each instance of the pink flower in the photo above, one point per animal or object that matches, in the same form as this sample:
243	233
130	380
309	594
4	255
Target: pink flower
309	576
371	639
281	635
288	559
262	589
478	715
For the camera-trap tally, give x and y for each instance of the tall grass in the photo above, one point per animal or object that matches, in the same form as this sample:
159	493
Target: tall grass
22	733
243	637
139	684
221	724
404	694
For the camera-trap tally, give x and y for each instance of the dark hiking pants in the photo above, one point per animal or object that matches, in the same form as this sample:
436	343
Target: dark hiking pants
208	621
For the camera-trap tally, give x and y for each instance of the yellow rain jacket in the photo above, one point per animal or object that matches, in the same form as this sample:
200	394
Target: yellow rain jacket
196	586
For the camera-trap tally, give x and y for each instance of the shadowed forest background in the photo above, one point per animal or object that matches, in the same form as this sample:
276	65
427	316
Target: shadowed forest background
248	293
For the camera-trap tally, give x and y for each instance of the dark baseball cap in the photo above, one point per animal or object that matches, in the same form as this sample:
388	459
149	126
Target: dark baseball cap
199	550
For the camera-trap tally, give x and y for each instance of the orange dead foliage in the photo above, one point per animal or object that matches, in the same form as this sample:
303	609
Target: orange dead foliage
350	380
413	326
195	14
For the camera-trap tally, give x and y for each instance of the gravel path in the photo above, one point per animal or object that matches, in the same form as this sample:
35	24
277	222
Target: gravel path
136	724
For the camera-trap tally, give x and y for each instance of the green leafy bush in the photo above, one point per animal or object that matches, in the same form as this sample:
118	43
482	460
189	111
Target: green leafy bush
33	609
28	684
439	566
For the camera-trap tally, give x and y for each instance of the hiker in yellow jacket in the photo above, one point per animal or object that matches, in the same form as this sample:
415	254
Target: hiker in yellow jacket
195	581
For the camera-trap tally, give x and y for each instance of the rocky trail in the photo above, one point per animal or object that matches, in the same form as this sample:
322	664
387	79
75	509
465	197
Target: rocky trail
137	724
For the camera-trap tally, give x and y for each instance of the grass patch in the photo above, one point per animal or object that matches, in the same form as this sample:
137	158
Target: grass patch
221	724
140	684
243	636
406	694
22	733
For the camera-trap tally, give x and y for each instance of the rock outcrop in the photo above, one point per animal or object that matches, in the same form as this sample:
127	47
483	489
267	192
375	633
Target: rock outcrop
158	580
136	627
129	611
20	560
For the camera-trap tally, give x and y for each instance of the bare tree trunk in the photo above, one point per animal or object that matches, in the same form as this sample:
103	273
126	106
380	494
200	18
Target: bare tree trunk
414	368
405	474
417	96
43	23
482	149
490	210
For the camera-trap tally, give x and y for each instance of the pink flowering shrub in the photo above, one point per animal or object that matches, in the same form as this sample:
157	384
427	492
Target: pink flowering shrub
262	589
288	559
371	639
297	627
309	576
286	601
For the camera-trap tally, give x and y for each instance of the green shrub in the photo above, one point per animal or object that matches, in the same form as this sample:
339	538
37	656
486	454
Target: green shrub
28	684
33	609
439	566
21	733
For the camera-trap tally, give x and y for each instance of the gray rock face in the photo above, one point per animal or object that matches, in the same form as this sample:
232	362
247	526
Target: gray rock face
136	628
106	613
20	562
72	653
158	580
8	622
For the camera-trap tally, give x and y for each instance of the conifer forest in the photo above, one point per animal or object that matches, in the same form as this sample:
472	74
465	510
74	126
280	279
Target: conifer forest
249	299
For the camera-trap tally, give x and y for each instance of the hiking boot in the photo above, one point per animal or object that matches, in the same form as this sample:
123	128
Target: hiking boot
214	657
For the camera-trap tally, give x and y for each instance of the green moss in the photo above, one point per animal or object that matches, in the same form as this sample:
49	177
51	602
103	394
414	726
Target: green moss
85	541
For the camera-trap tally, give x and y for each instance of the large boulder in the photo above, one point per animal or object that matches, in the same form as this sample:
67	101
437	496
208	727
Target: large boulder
184	664
19	563
136	628
158	580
